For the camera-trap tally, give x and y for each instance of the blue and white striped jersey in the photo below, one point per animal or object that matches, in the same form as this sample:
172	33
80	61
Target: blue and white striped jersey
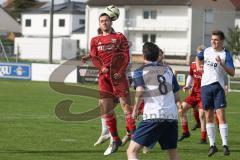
160	85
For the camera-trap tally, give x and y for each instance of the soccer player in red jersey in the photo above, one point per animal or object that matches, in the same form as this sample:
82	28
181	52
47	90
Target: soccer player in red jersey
105	46
194	99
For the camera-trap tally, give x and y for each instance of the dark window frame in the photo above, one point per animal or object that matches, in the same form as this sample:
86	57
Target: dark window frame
61	23
28	22
44	22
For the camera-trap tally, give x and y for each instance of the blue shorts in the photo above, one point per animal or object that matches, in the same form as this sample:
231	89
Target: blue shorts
213	96
165	132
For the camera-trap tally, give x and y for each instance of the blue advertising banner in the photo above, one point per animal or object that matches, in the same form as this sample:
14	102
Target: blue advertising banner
15	70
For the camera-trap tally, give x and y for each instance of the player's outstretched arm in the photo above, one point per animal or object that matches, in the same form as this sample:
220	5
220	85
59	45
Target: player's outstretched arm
188	83
85	58
177	97
138	100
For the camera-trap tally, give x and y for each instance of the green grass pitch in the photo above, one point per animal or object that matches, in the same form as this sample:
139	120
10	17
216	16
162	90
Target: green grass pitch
29	129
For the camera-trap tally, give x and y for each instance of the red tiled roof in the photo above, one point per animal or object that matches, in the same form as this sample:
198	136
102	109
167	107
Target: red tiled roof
236	4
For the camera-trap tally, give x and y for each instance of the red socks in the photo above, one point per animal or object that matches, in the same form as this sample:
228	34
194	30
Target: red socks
130	123
185	127
203	135
112	125
196	115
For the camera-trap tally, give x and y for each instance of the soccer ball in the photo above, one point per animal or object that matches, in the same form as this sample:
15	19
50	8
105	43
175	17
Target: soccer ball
112	11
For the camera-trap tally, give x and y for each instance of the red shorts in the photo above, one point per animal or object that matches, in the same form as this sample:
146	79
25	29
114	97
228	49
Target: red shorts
108	90
194	100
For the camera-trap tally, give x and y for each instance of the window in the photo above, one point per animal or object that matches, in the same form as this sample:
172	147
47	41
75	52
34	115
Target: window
127	14
153	38
153	14
145	38
145	14
150	14
149	38
28	23
209	16
81	21
61	22
44	23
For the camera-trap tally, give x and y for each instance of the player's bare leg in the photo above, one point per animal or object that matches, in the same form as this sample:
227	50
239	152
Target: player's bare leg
203	126
210	127
173	154
223	127
133	150
183	108
196	117
216	119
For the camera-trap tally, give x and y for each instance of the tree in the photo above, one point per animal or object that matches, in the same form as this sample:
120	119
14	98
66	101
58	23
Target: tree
233	41
15	7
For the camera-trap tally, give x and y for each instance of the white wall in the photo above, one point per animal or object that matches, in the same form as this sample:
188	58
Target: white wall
82	40
38	48
69	48
75	21
237	19
168	17
171	28
42	72
173	43
237	22
37	28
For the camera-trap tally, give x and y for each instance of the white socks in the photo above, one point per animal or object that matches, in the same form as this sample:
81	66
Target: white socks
211	133
104	127
224	133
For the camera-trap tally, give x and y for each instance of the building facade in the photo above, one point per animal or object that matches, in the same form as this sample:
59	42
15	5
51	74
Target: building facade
177	26
68	32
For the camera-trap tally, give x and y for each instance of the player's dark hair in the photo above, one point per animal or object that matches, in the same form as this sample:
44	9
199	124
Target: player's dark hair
218	33
150	51
104	14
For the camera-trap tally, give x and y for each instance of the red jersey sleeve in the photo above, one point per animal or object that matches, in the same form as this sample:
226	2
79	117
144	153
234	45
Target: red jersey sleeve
93	50
124	49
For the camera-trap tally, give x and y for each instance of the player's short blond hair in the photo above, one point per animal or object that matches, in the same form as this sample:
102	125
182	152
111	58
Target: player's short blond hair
200	48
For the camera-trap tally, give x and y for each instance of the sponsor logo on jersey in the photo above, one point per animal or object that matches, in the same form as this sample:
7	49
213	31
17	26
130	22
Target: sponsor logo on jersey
211	64
114	40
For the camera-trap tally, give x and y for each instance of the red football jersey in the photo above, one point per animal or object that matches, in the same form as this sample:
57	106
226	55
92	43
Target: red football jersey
105	47
197	77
